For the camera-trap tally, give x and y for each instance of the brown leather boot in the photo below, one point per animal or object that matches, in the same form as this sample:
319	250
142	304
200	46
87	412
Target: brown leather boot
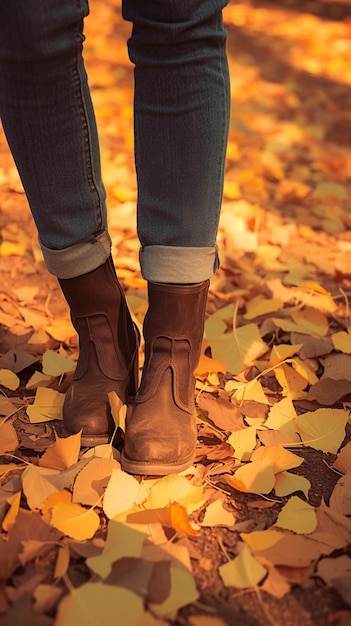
160	433
108	352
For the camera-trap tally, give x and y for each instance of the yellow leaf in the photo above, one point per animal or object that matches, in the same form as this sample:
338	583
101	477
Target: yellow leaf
63	496
251	391
283	351
36	487
121	541
120	494
287	483
235	350
253	478
182	591
54	364
283	548
97	603
312	320
47	406
302	368
243	441
260	540
282	415
277	457
179	520
323	429
297	516
243	571
75	521
216	515
342	341
292	382
260	305
8	436
92	480
118	410
174	488
62	561
39	380
9	379
10	517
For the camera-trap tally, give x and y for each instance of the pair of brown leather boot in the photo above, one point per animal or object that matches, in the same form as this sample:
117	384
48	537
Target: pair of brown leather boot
160	435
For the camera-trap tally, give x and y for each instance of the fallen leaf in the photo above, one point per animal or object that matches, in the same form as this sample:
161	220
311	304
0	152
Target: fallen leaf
97	603
120	494
47	406
217	515
92	480
242	572
121	541
74	520
298	516
287	483
9	379
63	453
323	429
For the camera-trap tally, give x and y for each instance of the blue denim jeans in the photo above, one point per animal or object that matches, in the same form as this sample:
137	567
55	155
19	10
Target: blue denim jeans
181	103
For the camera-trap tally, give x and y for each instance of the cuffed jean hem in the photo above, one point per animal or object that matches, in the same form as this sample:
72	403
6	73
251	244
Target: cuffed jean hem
78	259
178	264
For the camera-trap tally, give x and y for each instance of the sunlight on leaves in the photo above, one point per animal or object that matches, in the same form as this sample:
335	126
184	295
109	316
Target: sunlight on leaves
174	488
253	478
323	429
281	416
120	494
277	457
74	520
47	405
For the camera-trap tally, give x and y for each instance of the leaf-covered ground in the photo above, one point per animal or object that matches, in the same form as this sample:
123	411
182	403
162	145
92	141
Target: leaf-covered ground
258	532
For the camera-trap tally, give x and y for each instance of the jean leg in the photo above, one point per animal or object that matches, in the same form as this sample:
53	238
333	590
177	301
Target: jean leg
48	119
181	108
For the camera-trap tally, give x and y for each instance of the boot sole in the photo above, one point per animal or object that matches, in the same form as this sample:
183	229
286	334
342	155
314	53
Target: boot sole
146	468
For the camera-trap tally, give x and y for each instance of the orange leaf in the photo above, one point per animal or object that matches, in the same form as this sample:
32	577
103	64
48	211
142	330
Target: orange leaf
179	520
63	453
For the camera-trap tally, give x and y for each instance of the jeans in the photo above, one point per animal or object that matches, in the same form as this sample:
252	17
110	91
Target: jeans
181	118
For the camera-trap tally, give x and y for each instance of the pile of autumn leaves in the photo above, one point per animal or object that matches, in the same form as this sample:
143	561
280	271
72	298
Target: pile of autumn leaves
85	504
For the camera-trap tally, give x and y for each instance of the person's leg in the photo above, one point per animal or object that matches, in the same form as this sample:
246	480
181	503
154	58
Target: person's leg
48	118
181	126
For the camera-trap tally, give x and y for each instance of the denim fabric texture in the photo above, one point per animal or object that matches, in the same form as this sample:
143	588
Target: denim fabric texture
181	117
